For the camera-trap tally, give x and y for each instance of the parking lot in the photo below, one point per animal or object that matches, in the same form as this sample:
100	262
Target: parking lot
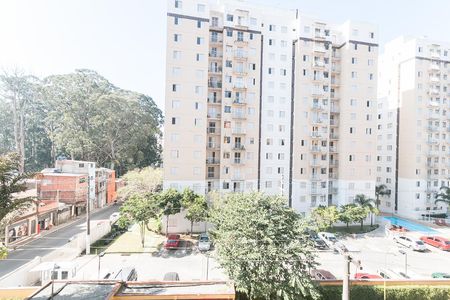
377	252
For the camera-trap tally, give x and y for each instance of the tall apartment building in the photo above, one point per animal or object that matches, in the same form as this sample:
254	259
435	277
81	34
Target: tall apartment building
334	124
234	121
414	97
228	96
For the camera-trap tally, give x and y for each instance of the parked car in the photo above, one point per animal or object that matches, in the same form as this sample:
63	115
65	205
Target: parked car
173	242
204	243
388	274
414	244
322	275
328	238
437	241
317	241
171	276
440	275
367	276
114	217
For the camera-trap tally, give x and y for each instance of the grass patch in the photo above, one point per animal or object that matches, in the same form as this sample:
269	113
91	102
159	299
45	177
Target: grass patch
353	229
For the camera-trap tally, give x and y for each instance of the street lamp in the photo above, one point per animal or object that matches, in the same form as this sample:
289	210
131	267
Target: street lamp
100	255
406	260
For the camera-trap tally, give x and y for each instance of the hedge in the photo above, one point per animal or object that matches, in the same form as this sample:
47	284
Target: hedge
367	292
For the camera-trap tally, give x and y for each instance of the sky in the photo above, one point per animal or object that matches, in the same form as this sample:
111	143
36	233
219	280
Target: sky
125	40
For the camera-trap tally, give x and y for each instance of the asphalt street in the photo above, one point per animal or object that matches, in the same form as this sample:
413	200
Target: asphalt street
44	245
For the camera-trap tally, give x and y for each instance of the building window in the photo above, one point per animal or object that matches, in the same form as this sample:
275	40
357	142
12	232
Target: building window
230	18
177	37
178	4
200	7
176	20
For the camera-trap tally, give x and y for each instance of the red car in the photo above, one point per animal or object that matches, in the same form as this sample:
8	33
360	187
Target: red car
437	241
173	241
367	276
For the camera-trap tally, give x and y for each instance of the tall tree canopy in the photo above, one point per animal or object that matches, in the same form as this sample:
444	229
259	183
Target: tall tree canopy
80	115
262	245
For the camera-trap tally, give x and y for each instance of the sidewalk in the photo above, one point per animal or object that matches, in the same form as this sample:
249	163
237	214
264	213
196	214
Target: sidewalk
13	246
130	242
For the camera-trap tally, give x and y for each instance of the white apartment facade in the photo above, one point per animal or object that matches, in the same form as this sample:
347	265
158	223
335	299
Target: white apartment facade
229	70
414	88
334	113
240	117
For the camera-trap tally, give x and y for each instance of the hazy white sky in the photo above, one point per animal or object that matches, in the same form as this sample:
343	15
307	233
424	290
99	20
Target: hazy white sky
124	40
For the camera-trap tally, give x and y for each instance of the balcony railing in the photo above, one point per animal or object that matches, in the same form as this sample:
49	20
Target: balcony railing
216	85
213	100
212	145
239	86
334	163
239	101
238	161
240	54
238	147
333	149
334	110
212	161
213	115
238	131
316	134
215	70
213	130
239	116
316	106
215	54
334	136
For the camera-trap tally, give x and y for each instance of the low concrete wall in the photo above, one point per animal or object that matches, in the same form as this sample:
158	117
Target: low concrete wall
179	224
22	276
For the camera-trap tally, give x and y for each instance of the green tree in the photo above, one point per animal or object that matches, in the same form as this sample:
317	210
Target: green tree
141	182
366	203
170	204
325	216
11	183
443	196
346	213
195	205
381	190
262	245
360	213
3	252
139	209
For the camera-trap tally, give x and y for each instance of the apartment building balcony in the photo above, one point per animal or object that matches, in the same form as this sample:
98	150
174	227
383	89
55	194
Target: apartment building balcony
238	131
318	191
212	161
317	92
333	149
317	79
213	116
334	96
433	104
215	85
434	91
433	153
334	82
332	190
317	177
213	130
335	70
334	109
334	122
242	23
317	121
318	64
240	55
238	116
213	146
333	175
239	102
334	163
238	147
216	70
432	141
316	106
215	41
215	55
241	42
334	136
433	176
316	134
433	116
319	48
318	149
240	72
432	190
433	165
214	100
315	163
239	86
435	79
238	161
434	67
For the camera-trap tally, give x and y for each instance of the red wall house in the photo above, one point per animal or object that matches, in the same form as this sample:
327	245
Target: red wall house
111	191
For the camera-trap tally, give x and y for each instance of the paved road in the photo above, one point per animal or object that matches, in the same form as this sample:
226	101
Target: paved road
48	243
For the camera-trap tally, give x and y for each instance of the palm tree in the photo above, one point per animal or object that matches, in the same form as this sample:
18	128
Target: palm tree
367	203
381	190
443	196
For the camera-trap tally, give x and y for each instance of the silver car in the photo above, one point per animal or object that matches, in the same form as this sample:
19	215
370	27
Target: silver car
411	243
204	243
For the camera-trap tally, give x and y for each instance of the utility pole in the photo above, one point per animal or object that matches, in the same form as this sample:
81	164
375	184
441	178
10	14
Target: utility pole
88	219
406	261
346	281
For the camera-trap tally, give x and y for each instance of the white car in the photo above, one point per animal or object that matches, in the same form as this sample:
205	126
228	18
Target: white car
414	244
389	274
204	243
114	217
328	238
